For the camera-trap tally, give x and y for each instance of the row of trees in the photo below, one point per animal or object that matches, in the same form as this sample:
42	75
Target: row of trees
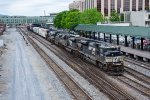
70	19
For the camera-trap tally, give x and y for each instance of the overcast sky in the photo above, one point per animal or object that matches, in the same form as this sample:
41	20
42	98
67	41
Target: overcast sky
33	7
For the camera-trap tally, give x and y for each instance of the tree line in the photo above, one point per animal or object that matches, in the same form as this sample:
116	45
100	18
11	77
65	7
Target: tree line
70	19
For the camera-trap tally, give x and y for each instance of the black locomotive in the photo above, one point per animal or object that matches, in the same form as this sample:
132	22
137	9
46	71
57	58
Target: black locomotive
106	56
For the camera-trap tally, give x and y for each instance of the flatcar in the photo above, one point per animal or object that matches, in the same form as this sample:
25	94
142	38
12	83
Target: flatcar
31	26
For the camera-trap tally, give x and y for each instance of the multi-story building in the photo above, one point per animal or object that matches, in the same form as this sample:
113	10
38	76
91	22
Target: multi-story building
107	6
83	4
137	18
77	4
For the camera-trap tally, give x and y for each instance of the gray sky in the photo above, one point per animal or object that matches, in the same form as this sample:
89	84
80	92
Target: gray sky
32	7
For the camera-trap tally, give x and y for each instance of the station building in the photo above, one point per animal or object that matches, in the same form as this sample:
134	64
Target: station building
139	38
50	23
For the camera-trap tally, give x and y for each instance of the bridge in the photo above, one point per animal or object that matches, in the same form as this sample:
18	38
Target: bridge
22	20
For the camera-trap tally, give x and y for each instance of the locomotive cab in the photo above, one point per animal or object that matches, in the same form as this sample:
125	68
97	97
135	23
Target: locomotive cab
113	59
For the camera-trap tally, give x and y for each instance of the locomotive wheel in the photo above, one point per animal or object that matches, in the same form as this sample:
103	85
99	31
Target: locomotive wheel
81	56
84	57
100	65
105	67
97	63
75	53
71	51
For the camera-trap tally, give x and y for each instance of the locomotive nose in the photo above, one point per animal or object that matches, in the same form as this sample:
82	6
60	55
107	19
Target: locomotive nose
116	59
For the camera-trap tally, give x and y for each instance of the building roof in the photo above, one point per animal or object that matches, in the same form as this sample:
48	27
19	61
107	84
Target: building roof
143	32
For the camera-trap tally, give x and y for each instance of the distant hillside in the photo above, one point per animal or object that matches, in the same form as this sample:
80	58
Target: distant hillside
3	15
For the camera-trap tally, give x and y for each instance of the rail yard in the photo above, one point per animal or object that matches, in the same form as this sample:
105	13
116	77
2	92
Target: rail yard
75	50
35	67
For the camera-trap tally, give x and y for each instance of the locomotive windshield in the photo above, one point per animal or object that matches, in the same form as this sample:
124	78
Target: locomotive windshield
110	49
111	52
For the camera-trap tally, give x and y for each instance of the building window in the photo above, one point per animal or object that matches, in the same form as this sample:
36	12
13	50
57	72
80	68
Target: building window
126	6
146	4
93	3
106	7
112	5
140	5
133	5
85	4
82	6
148	16
89	1
118	5
99	5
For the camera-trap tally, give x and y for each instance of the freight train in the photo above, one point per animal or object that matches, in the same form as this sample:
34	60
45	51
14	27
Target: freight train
106	56
2	28
36	28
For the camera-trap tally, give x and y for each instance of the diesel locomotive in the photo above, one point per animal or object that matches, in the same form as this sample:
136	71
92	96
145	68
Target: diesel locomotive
106	56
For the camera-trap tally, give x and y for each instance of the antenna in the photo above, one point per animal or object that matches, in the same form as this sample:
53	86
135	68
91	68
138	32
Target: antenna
44	13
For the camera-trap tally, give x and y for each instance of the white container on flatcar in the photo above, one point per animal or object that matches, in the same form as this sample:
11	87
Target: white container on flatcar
43	32
36	29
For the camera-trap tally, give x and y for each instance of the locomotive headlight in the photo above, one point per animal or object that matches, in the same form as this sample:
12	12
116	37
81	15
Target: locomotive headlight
108	59
114	59
121	58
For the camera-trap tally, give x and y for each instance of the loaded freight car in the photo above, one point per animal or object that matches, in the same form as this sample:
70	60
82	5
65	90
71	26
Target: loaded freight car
42	32
30	27
2	28
36	30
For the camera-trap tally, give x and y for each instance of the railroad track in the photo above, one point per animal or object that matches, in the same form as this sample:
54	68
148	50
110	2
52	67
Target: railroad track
101	79
111	90
135	85
145	90
77	92
138	75
140	88
139	63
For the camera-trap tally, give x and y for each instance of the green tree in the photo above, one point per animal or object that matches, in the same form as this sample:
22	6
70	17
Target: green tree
114	17
69	19
58	19
63	21
91	16
72	19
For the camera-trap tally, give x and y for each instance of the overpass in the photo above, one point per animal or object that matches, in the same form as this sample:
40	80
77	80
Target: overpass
22	20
